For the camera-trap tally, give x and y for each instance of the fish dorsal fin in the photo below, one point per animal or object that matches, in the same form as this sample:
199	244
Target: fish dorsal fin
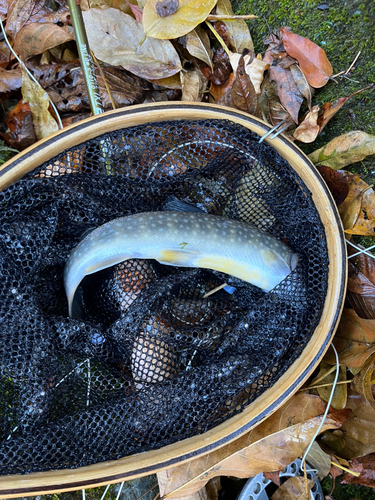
173	204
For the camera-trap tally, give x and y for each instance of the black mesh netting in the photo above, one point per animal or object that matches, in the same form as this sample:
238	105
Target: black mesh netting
152	362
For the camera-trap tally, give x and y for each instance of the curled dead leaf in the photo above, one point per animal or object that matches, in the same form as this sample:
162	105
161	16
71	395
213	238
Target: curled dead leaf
311	58
35	38
197	44
308	130
191	85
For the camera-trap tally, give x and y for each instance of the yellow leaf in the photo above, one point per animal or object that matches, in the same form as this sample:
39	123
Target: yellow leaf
189	14
44	123
239	34
340	394
344	150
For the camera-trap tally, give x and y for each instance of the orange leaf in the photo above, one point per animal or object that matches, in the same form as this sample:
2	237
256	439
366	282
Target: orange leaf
311	58
218	91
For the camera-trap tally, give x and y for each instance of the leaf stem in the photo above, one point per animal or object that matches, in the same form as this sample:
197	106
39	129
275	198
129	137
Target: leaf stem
324	385
224	17
220	40
356	474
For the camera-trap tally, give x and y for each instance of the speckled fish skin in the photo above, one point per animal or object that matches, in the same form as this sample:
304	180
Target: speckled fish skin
184	239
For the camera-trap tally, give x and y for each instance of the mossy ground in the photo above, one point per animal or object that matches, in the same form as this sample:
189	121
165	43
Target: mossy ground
342	30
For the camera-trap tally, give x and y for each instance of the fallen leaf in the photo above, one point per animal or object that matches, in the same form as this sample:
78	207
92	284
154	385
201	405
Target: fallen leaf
336	181
191	85
256	70
243	92
213	488
136	11
366	468
293	489
362	382
222	30
10	79
361	283
340	394
115	38
222	68
166	8
319	460
275	46
21	132
269	447
273	476
19	11
189	14
301	82
217	91
122	5
38	100
358	429
172	82
287	90
5	54
278	113
238	31
308	130
345	150
35	38
69	92
354	340
311	58
197	44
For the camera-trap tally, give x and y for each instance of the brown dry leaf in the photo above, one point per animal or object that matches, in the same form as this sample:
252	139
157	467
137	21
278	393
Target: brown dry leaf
122	5
189	14
340	394
363	381
197	44
213	488
293	489
5	54
10	79
337	183
21	132
115	38
172	82
275	47
269	447
243	92
217	91
191	84
287	90
238	31
38	99
19	12
358	429
256	70
308	130
345	150
222	68
366	468
354	340
301	83
273	476
311	58
35	38
361	284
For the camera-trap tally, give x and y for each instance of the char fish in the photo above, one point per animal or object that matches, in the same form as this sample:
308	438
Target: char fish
186	239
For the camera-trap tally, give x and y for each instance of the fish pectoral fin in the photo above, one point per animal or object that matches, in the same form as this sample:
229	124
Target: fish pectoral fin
177	257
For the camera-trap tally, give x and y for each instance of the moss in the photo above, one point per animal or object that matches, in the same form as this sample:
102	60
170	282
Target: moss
342	31
346	491
6	152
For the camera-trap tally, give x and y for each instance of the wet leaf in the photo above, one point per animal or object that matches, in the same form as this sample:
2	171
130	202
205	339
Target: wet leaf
269	447
217	91
222	68
38	100
361	284
358	429
166	8
115	38
287	90
301	82
197	44
238	31
10	79
308	130
35	38
337	183
345	150
319	460
275	47
21	132
243	92
354	340
366	468
292	489
311	58
189	14
340	394
191	84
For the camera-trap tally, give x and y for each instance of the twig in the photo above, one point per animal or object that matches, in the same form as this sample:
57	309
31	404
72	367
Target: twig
157	496
148	491
322	377
307	492
350	67
220	287
324	385
356	474
220	40
104	80
223	17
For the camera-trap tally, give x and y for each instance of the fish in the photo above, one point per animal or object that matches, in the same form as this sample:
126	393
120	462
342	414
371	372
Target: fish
185	239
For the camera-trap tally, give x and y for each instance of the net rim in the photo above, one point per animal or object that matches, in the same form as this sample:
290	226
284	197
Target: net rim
293	378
